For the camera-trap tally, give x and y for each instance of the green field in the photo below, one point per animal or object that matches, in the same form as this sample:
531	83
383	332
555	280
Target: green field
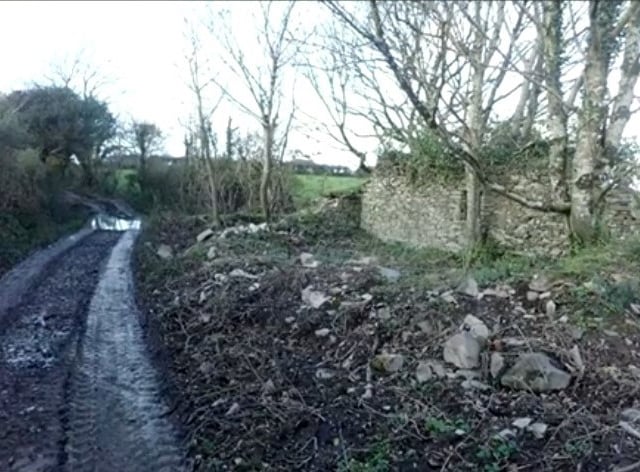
308	188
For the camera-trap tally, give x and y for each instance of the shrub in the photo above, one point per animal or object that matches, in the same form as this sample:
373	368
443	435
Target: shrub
184	186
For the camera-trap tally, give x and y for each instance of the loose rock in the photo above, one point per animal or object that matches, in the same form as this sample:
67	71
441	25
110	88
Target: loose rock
576	358
323	332
469	287
269	387
463	351
365	260
164	251
532	296
242	273
314	298
521	423
449	298
204	235
540	283
472	384
427	370
384	313
506	434
550	308
476	328
307	260
391	275
498	292
325	374
423	372
538	429
387	363
576	332
496	364
425	326
212	253
467	374
535	372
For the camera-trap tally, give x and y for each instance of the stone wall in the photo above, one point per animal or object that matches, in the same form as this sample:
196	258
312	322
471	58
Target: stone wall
521	229
394	211
434	216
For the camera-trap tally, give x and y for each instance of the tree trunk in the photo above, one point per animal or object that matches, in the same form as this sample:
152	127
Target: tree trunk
87	169
142	165
557	118
473	217
206	154
268	130
229	143
474	136
630	71
589	148
518	121
213	190
532	109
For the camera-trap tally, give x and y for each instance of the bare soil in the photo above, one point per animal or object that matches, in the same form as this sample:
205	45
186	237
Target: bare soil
262	388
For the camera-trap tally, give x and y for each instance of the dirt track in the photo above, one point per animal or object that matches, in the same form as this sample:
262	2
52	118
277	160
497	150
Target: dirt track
78	390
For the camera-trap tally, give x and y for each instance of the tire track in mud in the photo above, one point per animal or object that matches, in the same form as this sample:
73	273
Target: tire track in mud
117	419
37	341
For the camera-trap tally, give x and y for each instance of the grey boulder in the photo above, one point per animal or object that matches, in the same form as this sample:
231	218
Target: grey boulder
535	372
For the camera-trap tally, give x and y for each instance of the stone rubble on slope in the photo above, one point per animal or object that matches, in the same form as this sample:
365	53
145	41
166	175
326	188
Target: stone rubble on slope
476	328
469	287
428	370
308	260
164	251
314	298
391	275
496	364
462	350
535	372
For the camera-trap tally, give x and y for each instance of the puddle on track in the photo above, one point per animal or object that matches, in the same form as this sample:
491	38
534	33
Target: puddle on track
112	223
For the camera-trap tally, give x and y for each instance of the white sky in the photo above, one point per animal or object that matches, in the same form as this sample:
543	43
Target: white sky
140	47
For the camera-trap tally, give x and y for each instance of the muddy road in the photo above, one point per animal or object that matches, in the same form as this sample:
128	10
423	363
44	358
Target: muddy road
78	388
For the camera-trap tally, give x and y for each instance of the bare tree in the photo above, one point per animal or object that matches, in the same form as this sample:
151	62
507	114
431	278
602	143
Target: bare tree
199	86
451	72
456	98
333	71
606	24
77	72
263	83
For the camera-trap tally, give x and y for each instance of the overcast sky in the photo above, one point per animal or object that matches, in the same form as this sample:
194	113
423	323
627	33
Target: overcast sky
140	47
